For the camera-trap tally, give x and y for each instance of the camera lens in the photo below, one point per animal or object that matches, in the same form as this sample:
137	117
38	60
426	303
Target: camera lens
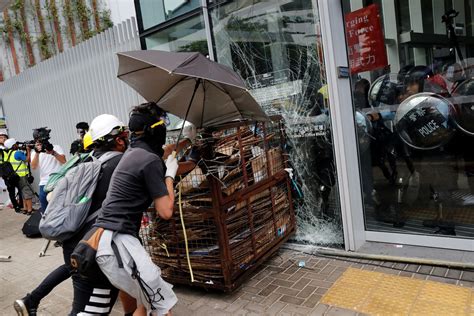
48	146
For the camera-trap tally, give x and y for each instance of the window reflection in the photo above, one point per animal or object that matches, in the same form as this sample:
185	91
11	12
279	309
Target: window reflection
414	119
187	36
154	12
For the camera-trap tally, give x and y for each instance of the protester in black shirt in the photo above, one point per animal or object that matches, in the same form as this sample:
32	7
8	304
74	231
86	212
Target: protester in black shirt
140	178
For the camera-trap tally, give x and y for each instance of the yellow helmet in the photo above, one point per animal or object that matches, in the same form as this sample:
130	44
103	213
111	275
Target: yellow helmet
87	140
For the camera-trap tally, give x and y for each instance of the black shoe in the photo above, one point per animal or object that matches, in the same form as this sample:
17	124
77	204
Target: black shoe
24	306
58	244
18	210
446	231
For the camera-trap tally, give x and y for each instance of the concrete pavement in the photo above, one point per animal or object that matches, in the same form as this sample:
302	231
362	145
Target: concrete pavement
279	287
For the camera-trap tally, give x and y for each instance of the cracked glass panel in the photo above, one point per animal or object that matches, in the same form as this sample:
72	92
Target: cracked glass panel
276	47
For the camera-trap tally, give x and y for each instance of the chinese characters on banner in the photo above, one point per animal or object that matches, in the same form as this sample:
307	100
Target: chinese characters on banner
365	40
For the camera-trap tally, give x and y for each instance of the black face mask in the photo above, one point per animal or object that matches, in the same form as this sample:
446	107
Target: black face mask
156	138
156	145
155	142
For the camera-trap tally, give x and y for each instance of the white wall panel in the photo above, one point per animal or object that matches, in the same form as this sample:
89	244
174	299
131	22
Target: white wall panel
74	86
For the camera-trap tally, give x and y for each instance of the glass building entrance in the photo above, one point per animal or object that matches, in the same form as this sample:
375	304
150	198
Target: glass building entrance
414	111
403	130
276	48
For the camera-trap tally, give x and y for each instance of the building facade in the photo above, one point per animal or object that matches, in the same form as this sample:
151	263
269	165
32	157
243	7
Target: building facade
376	100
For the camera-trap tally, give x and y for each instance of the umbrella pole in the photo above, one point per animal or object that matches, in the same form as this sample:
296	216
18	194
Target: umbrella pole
198	81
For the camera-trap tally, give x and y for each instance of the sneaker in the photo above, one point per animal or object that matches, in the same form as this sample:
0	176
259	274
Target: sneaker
18	210
24	307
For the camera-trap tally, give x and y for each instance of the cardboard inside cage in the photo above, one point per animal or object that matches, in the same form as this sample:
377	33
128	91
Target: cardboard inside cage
236	210
259	164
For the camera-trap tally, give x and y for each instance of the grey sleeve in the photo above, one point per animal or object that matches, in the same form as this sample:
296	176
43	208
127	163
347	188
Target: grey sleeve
155	179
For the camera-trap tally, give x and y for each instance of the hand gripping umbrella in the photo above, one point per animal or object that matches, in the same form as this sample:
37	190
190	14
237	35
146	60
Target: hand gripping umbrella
189	86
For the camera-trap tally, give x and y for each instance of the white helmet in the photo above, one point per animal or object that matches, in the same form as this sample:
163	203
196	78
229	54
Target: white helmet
3	132
189	130
9	143
102	125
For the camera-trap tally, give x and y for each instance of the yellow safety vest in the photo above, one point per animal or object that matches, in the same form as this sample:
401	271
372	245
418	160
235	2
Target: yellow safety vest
19	166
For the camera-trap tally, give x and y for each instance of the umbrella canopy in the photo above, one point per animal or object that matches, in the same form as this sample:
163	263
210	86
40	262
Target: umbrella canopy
190	86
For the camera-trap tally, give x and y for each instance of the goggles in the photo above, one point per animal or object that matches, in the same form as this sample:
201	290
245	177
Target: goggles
164	120
119	131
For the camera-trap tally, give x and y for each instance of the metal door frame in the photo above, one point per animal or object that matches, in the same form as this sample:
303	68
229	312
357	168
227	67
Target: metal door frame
345	142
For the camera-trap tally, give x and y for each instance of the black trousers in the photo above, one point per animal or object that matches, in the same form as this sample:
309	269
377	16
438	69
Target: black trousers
56	277
95	297
11	187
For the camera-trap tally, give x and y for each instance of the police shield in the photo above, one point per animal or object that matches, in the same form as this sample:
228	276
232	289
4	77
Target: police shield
463	99
425	121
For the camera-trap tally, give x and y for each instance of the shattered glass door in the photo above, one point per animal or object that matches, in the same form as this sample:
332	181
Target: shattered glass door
276	47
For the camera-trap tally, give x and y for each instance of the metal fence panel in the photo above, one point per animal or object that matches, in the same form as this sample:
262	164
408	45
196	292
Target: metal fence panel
73	86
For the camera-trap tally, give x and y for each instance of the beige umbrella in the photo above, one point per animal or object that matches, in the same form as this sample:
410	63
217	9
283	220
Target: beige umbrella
189	86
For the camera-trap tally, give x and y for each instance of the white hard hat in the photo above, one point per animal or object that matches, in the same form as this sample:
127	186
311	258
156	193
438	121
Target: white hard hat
103	124
9	143
189	129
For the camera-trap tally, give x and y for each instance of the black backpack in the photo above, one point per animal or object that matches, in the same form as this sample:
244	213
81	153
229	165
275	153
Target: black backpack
31	226
6	170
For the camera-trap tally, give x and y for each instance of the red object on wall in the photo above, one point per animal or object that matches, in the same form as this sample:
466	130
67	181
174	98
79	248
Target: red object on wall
365	40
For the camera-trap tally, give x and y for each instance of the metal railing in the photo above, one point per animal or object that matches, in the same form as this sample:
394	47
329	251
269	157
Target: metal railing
73	86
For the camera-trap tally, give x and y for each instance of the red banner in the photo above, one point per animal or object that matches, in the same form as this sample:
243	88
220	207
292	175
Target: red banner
365	40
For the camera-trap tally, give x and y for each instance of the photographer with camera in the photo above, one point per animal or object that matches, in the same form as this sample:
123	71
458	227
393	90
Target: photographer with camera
46	157
21	158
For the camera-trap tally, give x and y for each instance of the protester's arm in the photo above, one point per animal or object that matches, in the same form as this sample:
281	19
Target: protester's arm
164	204
161	189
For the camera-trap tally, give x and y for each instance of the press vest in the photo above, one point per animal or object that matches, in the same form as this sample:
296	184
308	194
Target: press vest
18	165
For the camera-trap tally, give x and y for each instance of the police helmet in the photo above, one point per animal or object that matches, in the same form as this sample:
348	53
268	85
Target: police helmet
425	121
385	90
425	79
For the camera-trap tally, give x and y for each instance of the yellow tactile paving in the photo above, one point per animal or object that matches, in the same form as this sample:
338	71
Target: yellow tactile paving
376	293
